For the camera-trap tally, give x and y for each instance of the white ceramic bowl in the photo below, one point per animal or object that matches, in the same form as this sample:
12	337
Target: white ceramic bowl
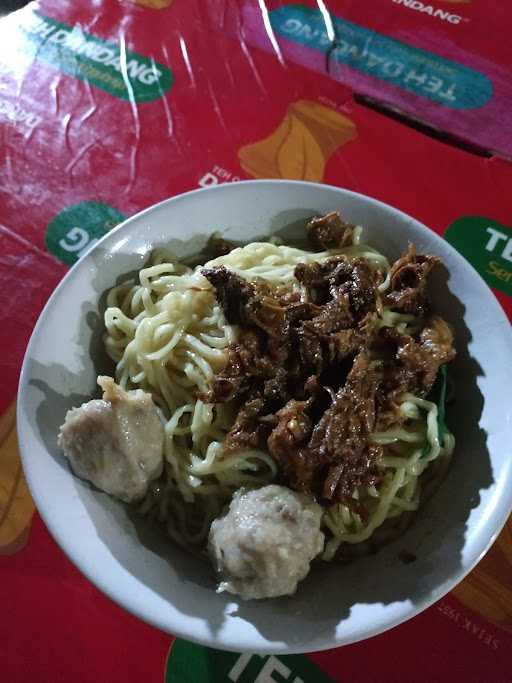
139	568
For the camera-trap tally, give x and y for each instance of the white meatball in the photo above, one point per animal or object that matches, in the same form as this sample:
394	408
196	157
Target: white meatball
116	442
262	547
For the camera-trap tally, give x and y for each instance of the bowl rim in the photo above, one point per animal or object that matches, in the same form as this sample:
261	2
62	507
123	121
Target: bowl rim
105	585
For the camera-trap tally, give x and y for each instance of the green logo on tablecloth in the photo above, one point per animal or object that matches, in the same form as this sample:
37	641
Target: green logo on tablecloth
189	663
105	64
423	73
487	245
78	227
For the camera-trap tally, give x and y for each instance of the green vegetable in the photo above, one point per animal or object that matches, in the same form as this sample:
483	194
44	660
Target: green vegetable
441	405
438	396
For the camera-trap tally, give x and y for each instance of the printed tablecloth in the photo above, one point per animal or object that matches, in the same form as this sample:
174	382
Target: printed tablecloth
107	107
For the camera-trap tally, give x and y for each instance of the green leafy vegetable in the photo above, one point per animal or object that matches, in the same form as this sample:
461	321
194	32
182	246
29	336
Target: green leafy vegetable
441	405
438	396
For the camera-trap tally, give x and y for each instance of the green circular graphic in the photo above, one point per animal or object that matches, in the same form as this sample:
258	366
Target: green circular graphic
487	245
190	663
79	227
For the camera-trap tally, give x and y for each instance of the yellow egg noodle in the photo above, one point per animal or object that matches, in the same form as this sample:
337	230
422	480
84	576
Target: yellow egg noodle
168	335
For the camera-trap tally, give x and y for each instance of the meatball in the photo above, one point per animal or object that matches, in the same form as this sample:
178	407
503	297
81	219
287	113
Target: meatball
116	442
262	547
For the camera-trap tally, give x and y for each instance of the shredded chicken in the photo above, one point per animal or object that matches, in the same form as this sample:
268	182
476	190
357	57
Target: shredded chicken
329	231
409	282
314	378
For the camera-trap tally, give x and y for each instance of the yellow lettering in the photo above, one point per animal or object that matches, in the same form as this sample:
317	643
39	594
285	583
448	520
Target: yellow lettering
499	272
